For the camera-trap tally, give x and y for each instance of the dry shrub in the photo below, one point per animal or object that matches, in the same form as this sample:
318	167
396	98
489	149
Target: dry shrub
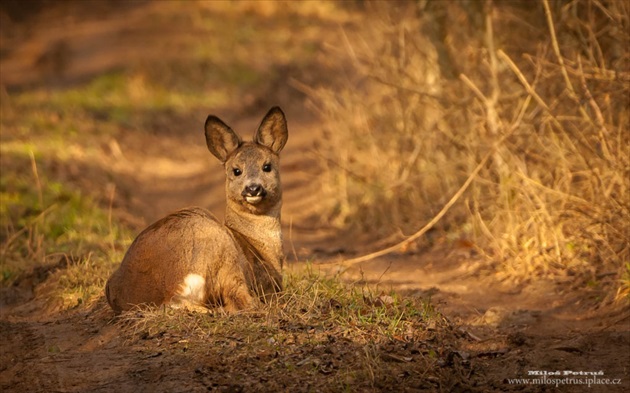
434	86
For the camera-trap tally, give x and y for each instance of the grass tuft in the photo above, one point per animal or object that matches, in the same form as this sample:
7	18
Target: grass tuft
51	229
318	326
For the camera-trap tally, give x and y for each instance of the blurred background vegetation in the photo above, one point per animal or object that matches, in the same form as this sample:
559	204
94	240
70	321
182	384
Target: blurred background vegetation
409	97
434	86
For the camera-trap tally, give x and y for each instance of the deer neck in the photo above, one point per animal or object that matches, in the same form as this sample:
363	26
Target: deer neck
262	232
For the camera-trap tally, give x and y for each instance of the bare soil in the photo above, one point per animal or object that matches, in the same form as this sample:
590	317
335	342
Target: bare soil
504	330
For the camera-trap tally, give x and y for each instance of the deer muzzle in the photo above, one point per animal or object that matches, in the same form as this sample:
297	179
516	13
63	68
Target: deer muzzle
254	193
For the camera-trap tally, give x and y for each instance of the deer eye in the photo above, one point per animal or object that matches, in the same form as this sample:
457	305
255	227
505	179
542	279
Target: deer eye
267	168
237	172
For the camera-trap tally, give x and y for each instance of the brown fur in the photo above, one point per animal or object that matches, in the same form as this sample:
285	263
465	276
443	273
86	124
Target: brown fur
189	257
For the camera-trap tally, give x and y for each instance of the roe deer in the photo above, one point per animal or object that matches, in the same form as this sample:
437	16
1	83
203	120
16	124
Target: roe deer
190	258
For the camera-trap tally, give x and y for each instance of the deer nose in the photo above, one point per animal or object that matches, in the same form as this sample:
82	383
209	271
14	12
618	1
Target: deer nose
253	190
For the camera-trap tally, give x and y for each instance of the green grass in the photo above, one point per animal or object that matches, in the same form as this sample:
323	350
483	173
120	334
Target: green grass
308	301
320	331
45	222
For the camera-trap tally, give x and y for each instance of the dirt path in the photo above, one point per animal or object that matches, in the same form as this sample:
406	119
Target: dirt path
541	326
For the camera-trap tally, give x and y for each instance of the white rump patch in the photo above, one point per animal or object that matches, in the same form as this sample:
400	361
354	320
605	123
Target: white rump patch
193	289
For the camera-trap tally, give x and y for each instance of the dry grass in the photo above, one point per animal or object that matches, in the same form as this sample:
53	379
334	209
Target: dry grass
426	98
56	239
319	335
53	235
311	300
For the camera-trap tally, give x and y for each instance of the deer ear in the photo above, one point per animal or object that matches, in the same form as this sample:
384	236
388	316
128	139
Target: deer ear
220	138
273	132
